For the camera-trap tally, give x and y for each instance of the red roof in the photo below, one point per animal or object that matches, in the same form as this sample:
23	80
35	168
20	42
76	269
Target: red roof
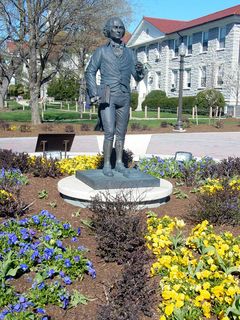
126	37
170	26
165	25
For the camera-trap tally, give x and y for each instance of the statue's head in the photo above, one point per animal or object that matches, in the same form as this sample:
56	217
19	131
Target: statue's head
114	29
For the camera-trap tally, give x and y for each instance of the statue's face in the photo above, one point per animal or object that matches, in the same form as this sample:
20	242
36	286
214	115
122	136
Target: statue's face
117	30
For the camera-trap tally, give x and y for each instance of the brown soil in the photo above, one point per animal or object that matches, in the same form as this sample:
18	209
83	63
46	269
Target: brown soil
228	125
107	273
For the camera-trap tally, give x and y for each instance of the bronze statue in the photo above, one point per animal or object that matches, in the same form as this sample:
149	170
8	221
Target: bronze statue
116	63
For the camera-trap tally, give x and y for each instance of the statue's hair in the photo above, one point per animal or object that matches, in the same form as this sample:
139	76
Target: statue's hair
109	24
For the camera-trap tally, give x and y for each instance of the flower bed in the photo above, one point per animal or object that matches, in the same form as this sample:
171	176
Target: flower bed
197	274
36	245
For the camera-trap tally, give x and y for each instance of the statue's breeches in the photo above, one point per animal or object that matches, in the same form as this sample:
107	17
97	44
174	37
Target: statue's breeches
115	116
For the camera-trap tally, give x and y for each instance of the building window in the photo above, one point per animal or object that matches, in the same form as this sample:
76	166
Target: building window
158	80
203	76
189	44
147	31
222	37
175	47
204	41
220	73
174	79
187	82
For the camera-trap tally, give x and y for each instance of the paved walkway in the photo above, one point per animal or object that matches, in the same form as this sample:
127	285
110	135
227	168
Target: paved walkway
217	145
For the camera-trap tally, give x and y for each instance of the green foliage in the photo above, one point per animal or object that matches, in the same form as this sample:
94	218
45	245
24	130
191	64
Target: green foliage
63	88
35	244
19	89
43	194
154	99
209	98
134	100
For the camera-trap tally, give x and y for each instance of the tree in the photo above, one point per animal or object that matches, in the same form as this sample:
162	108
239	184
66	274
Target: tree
42	31
209	98
63	88
88	38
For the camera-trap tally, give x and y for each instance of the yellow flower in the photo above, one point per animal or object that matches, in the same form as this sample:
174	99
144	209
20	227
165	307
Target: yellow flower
206	306
179	223
169	309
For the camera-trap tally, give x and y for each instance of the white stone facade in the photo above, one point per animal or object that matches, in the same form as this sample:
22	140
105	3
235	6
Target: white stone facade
211	61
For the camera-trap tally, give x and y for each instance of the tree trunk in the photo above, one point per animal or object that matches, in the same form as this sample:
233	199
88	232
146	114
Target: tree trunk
3	91
34	94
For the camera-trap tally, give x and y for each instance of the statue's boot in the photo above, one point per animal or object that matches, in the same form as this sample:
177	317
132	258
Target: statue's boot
119	154
107	150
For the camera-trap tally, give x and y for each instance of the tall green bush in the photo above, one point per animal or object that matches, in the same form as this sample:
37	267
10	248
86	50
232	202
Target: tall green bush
63	88
18	89
154	99
134	100
209	98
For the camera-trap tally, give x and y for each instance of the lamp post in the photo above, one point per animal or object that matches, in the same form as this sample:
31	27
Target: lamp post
179	125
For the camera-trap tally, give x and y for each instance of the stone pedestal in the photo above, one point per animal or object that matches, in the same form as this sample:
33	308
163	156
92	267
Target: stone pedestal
79	193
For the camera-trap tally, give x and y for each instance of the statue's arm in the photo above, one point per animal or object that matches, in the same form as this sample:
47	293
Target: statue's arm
90	73
138	71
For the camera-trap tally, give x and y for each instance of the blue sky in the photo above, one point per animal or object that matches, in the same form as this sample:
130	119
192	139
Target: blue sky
177	9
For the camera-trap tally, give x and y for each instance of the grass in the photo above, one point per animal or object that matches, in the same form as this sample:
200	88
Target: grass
54	113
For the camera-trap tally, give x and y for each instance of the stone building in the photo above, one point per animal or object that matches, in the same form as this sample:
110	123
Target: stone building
212	55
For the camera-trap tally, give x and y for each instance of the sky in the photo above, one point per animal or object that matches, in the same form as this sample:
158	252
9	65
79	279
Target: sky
177	9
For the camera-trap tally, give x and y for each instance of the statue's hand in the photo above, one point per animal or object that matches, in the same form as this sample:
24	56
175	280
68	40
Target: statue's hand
139	67
95	100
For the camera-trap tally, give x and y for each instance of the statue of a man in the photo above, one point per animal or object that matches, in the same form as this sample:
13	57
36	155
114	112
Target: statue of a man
116	63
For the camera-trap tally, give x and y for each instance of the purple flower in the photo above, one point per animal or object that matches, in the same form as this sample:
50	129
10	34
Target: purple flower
12	238
89	264
47	238
40	310
66	226
23	222
67	280
36	219
76	258
22	299
32	232
24	267
81	248
51	272
24	233
4	313
74	239
78	231
59	244
62	274
58	257
17	307
41	285
67	263
2	174
35	255
92	272
48	253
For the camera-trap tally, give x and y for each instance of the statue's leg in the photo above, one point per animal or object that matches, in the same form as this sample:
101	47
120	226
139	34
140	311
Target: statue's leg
122	117
108	119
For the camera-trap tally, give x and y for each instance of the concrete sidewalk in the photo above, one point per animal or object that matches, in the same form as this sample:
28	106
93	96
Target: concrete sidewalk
217	145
